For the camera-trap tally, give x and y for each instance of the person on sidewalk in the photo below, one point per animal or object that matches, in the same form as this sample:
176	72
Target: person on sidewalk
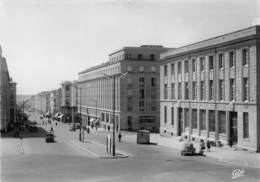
119	137
208	146
202	147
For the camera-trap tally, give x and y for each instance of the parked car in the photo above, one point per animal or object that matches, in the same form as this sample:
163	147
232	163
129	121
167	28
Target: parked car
49	137
188	149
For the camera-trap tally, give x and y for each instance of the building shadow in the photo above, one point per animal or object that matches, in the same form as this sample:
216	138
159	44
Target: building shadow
29	130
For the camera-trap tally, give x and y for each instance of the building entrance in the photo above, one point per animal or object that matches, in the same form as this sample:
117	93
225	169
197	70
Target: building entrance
233	128
180	121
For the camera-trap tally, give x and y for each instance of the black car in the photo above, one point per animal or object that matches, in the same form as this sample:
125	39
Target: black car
49	137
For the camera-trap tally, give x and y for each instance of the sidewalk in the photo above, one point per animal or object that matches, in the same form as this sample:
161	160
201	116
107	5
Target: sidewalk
223	154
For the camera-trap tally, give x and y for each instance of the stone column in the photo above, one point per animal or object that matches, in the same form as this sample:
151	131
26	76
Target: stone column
227	126
216	125
207	123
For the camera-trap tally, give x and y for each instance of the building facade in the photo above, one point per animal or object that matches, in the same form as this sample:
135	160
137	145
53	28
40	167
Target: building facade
41	103
7	96
132	74
211	89
69	101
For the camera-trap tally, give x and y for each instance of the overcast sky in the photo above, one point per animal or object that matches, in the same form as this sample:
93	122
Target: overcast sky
48	41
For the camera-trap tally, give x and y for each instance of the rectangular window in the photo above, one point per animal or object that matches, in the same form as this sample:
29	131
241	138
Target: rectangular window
186	66
202	64
211	64
194	90
141	105
211	89
172	116
165	70
211	121
173	91
129	122
221	90
153	106
232	89
179	91
245	125
153	93
165	114
193	65
141	81
172	69
194	119
179	67
141	93
245	89
186	90
129	105
165	91
202	119
231	59
187	117
202	90
222	122
220	61
153	82
245	57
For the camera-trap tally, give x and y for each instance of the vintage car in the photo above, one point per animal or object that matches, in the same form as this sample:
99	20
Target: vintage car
49	137
188	149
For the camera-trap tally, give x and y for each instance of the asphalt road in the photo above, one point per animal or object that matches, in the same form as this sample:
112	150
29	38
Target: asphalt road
33	160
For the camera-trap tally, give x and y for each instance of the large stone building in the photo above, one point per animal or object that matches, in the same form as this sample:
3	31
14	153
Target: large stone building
136	74
211	89
69	101
41	103
7	96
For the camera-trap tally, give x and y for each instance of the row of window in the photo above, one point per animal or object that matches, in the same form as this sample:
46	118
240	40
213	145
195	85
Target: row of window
141	82
232	60
129	56
141	68
211	91
139	56
202	122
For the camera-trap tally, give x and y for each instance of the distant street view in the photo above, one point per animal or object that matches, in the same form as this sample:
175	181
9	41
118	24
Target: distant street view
110	91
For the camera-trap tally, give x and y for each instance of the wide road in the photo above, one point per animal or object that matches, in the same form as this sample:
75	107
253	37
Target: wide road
33	160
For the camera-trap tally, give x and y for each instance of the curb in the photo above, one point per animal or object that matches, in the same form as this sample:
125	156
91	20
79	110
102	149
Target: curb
118	156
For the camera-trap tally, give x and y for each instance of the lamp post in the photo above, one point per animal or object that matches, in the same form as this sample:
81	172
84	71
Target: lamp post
113	77
80	138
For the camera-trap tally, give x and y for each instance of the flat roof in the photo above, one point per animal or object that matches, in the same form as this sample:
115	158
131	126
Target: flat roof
247	32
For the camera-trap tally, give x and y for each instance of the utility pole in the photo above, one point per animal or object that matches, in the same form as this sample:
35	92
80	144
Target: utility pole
114	108
80	116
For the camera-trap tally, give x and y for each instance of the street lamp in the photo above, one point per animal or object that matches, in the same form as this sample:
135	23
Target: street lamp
80	138
114	106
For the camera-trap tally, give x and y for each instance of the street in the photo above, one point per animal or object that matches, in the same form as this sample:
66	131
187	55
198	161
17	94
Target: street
31	159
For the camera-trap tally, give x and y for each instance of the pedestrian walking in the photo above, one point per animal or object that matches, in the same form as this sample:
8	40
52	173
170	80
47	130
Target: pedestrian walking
208	146
119	137
202	146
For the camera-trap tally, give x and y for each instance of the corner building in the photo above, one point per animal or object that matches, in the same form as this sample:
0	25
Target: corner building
136	74
211	90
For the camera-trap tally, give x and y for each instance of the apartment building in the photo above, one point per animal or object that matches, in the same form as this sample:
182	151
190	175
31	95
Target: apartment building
69	101
211	89
7	96
132	74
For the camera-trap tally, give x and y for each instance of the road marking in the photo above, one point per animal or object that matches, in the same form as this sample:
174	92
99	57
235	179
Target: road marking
83	148
21	145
